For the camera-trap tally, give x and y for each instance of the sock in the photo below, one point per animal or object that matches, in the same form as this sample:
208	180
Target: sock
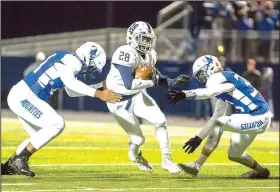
257	167
163	139
205	153
134	149
201	159
25	153
22	146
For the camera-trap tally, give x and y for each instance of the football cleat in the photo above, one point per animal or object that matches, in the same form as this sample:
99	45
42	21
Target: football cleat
167	164
20	165
255	175
141	162
190	168
6	169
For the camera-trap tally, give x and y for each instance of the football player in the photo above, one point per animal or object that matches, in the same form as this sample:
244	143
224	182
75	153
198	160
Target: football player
135	101
252	116
28	97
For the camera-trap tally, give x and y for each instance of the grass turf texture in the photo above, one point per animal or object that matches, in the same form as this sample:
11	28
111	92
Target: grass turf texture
93	157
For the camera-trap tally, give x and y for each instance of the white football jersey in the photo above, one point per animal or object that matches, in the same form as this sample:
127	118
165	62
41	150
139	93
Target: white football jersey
127	56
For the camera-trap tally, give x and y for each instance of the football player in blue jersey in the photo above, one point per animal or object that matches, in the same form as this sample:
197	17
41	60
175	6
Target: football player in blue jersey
28	97
252	116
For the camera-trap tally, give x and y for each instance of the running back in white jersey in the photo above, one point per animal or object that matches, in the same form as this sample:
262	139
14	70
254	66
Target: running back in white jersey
45	80
126	56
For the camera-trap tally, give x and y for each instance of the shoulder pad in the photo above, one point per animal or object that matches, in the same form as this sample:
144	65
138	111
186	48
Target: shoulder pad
216	78
125	55
72	61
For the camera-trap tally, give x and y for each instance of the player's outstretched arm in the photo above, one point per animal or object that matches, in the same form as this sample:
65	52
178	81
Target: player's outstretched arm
73	85
171	83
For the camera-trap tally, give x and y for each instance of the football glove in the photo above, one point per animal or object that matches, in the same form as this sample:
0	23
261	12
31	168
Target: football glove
175	97
191	145
155	77
182	79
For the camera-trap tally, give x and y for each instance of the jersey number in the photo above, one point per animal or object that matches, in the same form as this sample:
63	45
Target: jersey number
124	56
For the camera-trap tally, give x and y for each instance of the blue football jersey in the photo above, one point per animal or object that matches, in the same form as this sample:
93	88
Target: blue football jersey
45	80
245	98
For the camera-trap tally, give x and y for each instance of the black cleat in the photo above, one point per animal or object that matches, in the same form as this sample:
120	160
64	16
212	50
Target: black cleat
255	175
20	165
7	170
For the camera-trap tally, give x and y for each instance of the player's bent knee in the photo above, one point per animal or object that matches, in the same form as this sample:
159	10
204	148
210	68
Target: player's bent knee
234	154
137	140
58	125
160	122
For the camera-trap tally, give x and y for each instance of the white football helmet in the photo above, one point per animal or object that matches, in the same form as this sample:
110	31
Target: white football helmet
93	55
140	35
205	66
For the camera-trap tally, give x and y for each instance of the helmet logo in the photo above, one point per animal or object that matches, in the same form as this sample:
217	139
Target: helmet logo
132	27
93	52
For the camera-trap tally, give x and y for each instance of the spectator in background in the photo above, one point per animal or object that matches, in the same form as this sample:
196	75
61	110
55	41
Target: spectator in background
265	25
267	81
243	24
40	56
252	74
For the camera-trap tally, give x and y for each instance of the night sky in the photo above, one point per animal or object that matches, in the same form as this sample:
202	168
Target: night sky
33	18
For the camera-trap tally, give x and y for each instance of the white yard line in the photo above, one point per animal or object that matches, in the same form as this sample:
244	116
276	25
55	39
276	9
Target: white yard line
131	164
146	189
101	148
172	132
170	188
17	184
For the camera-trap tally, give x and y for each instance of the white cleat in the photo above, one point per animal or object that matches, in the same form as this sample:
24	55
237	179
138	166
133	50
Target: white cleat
167	164
141	162
190	168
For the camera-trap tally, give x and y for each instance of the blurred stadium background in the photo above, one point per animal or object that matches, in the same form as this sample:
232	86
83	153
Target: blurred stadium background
234	31
244	35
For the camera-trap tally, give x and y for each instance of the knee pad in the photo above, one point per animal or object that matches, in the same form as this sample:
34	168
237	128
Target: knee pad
160	121
233	152
58	125
137	140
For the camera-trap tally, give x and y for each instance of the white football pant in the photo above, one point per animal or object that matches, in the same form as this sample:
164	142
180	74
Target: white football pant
143	106
245	127
38	118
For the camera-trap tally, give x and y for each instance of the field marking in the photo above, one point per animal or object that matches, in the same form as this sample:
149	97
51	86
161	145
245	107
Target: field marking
101	148
170	188
17	184
171	133
146	189
131	164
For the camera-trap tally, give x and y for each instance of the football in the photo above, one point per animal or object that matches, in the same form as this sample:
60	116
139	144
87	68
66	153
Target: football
144	72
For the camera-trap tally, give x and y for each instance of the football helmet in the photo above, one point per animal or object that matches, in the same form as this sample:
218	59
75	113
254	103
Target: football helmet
140	35
94	57
205	66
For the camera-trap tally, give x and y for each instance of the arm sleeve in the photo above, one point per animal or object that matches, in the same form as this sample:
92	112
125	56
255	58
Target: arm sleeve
165	82
129	82
219	111
212	91
73	86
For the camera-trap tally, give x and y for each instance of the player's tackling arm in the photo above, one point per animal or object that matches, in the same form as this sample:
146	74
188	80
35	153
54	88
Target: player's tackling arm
75	87
209	91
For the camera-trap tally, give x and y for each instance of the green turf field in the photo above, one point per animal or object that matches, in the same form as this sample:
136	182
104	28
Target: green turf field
93	157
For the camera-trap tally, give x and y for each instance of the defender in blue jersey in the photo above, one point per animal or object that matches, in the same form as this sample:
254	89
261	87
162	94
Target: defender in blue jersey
251	118
28	97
